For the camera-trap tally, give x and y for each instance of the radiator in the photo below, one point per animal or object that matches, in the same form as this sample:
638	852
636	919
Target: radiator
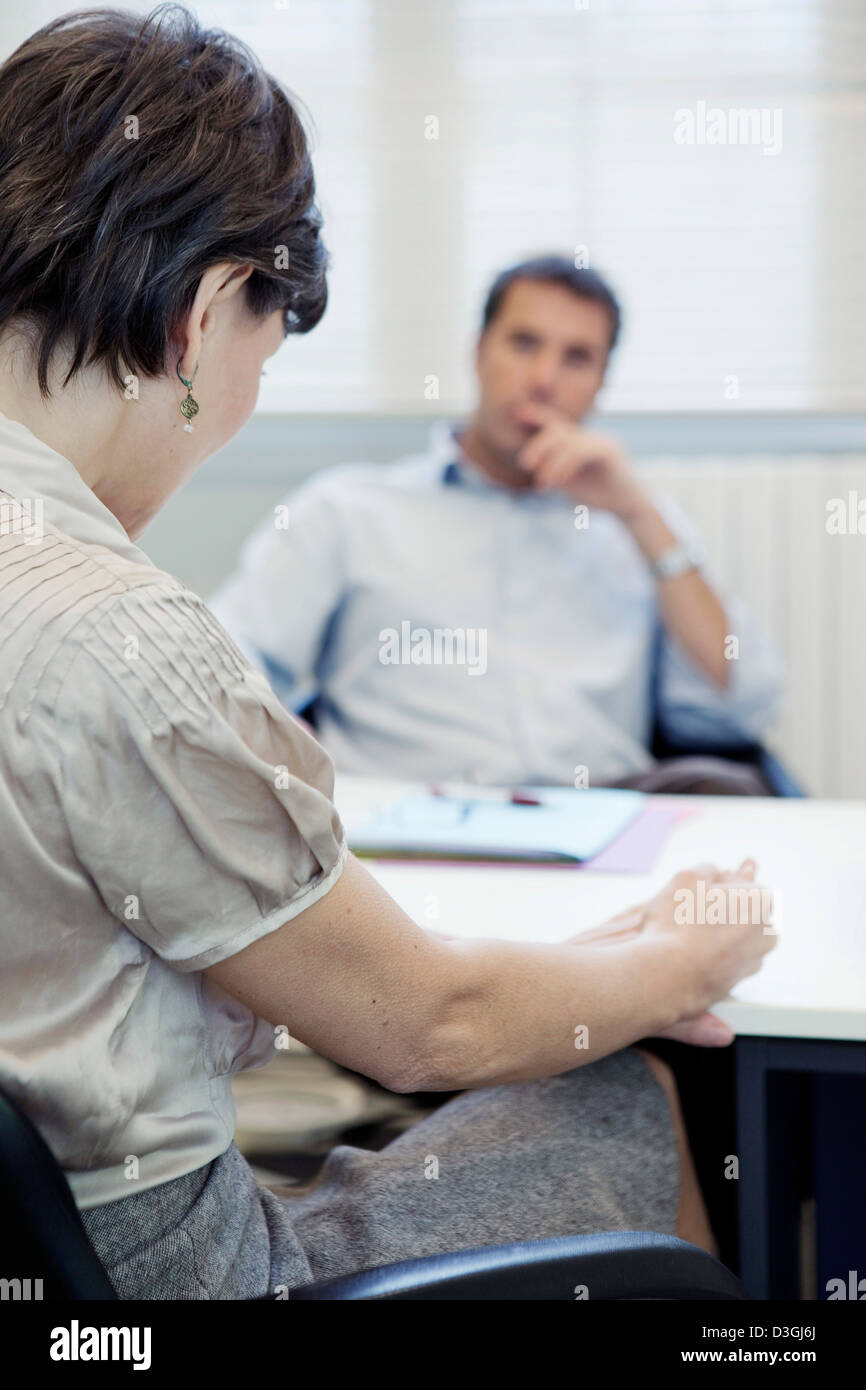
782	534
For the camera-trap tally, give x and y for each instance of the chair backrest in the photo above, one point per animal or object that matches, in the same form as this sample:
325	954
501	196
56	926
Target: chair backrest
41	1233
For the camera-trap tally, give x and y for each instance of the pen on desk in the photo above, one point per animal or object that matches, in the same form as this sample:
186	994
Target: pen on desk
469	792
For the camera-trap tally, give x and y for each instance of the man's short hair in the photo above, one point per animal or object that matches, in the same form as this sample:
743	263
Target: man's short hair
555	270
135	152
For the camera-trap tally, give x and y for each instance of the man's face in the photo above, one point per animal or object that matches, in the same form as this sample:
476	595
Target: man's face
544	345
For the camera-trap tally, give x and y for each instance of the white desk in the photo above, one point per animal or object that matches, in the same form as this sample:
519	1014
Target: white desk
811	854
799	1075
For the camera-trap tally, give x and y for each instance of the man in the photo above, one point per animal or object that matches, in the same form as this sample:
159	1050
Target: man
513	606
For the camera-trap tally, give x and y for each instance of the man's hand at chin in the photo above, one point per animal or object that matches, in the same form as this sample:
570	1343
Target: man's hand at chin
589	467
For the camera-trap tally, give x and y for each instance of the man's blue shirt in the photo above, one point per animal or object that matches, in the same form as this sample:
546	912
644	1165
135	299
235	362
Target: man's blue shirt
452	628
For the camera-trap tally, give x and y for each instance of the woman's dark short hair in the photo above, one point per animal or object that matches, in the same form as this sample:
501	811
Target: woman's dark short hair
134	153
556	270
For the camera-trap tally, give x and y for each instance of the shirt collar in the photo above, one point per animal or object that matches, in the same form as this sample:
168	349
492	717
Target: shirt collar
30	471
453	467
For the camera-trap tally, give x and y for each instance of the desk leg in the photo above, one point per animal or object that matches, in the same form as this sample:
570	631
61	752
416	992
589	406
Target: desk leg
770	1130
839	1138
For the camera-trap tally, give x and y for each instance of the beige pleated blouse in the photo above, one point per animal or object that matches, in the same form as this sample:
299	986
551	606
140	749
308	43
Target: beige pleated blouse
159	811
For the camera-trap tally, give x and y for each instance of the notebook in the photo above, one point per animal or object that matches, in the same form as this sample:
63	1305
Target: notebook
568	826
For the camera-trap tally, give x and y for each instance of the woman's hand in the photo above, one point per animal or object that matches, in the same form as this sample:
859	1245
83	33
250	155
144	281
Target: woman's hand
704	1029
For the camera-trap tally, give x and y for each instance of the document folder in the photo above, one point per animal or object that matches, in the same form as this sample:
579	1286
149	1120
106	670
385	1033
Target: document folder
567	826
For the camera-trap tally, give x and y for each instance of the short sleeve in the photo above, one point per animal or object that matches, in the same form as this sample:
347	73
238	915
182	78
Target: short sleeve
199	807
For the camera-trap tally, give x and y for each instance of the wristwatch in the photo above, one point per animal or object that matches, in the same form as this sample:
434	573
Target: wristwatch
677	560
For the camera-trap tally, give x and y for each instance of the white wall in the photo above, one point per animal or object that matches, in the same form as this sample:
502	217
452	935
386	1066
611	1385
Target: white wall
555	126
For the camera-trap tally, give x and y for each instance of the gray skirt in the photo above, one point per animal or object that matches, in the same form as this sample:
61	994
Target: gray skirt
590	1150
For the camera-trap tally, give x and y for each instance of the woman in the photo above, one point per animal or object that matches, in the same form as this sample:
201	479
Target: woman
178	891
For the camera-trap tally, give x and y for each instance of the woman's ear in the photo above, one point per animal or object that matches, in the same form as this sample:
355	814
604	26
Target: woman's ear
231	279
218	284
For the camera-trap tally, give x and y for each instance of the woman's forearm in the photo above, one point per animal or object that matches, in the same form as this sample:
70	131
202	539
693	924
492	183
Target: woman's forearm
526	1010
354	978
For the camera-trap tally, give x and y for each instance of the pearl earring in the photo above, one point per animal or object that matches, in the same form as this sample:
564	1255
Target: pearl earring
188	407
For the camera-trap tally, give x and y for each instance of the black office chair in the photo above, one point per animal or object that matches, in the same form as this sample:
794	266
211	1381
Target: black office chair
42	1237
777	777
663	745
